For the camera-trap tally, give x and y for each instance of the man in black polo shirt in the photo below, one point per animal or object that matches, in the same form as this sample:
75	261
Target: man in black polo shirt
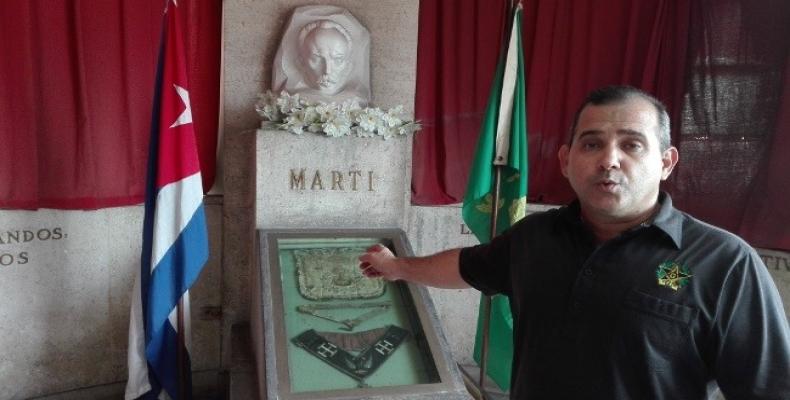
619	295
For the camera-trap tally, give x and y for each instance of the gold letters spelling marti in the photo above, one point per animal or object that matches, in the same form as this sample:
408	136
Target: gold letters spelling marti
352	180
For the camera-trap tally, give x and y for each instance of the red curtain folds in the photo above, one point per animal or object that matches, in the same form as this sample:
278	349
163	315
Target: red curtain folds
577	46
203	36
76	86
766	216
734	128
570	47
459	43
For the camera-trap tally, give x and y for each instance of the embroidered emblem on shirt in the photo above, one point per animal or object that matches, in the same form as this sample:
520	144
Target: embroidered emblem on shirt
673	275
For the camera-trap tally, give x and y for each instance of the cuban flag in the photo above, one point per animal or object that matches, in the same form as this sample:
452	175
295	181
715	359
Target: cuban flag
175	242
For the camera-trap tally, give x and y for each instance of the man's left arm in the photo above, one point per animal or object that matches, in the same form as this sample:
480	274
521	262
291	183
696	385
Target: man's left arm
753	353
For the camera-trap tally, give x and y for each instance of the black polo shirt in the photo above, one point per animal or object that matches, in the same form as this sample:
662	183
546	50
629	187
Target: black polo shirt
660	312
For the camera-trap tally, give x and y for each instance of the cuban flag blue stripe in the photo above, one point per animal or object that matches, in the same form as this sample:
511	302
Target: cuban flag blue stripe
166	362
177	271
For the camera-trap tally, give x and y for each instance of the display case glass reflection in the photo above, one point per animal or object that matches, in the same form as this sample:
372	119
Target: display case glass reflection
336	330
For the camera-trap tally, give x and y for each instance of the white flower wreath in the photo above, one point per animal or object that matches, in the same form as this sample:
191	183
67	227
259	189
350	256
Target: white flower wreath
291	113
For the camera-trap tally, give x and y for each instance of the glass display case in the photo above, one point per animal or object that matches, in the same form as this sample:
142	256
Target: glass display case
330	332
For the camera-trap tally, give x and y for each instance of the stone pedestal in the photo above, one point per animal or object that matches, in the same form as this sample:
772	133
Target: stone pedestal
315	181
252	31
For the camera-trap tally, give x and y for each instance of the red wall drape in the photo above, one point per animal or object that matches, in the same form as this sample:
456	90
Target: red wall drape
576	46
76	86
570	47
458	46
767	215
733	130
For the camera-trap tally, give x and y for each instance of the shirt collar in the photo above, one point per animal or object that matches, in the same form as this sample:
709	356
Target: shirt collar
668	219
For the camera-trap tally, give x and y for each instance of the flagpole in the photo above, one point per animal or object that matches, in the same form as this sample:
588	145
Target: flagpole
182	392
487	299
498	163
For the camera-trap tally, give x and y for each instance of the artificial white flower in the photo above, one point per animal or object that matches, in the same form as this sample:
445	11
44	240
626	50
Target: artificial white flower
294	123
392	117
325	111
269	112
315	128
311	115
337	127
367	120
385	131
408	128
287	103
293	114
266	108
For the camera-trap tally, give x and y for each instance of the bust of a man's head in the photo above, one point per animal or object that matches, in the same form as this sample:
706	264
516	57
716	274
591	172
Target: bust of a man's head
324	56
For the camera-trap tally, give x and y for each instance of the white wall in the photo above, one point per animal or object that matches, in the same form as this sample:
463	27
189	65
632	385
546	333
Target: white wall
65	286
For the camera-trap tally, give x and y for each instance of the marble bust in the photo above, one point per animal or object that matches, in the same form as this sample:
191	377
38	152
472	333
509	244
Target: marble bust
324	56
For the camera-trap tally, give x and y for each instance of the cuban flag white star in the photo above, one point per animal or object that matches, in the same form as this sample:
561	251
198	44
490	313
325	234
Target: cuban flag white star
186	115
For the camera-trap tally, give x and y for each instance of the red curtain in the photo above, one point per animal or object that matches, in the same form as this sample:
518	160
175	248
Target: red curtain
766	213
76	85
570	48
459	42
577	46
734	128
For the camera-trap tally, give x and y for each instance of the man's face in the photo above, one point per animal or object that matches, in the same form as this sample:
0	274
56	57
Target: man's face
615	163
325	53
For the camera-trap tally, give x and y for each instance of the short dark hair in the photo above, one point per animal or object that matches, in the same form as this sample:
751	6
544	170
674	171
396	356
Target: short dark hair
619	93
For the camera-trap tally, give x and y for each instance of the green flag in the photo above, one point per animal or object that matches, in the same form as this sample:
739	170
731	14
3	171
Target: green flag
502	141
